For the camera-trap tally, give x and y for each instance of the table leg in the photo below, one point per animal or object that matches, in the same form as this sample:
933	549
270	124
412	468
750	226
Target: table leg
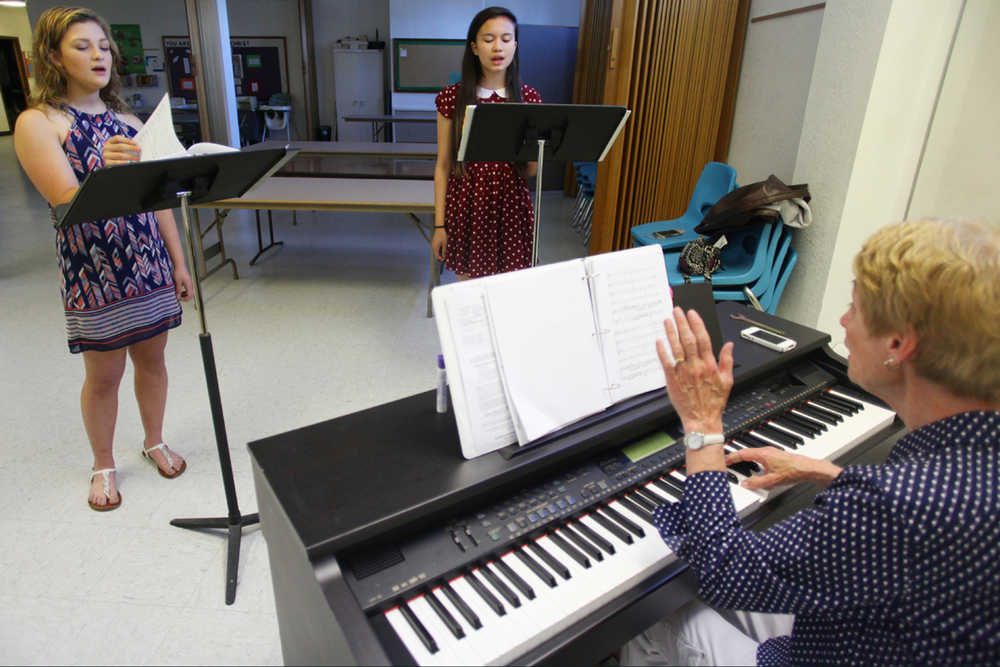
218	248
261	249
435	277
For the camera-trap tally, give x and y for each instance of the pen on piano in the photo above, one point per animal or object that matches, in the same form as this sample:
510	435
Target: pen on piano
442	386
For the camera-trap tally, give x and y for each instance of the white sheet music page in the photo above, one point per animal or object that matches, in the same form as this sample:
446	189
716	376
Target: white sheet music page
632	298
484	423
550	359
156	138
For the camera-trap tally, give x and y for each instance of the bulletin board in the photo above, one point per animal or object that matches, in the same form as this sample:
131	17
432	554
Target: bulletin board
426	65
260	67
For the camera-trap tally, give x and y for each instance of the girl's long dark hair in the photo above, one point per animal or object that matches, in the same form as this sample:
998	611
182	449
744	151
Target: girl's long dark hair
472	72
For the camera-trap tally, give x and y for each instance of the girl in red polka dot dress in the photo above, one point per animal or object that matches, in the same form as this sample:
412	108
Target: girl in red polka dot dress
483	217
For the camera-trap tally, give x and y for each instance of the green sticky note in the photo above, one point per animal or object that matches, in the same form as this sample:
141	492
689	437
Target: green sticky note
649	445
253	61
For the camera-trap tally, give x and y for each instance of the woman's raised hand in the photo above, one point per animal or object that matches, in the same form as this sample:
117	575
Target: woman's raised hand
120	150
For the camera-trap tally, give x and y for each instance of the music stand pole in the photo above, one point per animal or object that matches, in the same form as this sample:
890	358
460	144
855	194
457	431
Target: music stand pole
538	200
234	522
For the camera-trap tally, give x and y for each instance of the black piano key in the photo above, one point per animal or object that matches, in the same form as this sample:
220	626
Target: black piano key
750	440
817	426
637	498
857	405
582	543
425	637
586	531
668	482
490	599
570	550
616	520
535	567
514	578
836	403
672	490
654	494
790	425
819	413
549	559
786	439
502	588
463	608
445	615
636	508
745	468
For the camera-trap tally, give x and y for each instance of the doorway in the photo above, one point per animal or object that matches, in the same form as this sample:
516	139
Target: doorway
13	83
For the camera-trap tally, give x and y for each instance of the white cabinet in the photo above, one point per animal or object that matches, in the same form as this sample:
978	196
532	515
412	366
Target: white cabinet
357	76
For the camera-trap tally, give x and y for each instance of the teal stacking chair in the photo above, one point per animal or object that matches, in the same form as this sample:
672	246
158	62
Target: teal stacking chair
744	258
769	301
716	180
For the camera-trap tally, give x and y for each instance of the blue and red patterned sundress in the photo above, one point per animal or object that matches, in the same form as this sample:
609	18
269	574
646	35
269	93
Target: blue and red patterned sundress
117	277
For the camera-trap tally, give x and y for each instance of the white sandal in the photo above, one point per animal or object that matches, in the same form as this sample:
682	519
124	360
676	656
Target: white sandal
106	473
168	456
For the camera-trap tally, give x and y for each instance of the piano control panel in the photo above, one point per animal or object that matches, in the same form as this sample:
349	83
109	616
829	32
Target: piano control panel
378	580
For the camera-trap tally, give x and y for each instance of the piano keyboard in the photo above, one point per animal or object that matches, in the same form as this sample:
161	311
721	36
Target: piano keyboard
513	600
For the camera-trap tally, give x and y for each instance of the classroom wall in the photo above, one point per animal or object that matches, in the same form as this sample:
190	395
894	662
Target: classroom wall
776	72
449	19
14	23
878	68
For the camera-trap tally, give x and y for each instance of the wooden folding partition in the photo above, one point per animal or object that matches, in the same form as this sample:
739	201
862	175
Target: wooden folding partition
675	64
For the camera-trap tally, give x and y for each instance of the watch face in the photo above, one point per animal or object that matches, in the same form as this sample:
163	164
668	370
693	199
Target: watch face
694	440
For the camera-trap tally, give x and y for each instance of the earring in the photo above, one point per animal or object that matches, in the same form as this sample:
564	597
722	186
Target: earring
890	362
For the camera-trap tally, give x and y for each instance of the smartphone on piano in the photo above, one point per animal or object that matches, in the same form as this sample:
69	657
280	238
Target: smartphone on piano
771	341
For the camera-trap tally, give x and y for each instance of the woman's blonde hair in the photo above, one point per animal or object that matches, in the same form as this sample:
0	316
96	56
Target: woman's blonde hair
50	77
941	280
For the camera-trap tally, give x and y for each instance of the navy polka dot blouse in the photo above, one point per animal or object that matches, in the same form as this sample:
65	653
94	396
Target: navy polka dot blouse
893	564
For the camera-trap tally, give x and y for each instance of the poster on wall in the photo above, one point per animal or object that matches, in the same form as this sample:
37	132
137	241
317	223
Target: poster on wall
129	40
260	67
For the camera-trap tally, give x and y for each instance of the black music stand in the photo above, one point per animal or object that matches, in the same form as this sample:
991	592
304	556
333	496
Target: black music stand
527	132
158	184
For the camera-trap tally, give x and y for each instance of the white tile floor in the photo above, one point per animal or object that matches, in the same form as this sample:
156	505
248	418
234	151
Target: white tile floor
331	323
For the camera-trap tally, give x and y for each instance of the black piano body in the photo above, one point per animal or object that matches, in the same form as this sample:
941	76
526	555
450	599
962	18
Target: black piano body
336	499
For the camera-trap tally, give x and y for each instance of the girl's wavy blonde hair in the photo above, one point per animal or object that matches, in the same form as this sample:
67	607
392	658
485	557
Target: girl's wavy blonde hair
50	77
940	279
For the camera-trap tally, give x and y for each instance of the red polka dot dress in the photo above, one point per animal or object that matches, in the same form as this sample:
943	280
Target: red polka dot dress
488	213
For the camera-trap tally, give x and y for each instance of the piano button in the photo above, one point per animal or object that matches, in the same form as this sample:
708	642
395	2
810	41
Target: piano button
786	422
632	502
611	527
410	639
570	531
489	574
611	510
776	435
569	549
418	628
453	626
547	558
794	416
461	606
597	539
819	413
536	568
515	579
483	592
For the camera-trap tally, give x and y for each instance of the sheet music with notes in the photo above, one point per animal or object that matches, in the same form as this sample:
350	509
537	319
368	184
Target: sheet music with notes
551	344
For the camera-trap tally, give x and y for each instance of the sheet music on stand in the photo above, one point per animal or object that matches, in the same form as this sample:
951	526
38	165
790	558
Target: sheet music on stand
531	351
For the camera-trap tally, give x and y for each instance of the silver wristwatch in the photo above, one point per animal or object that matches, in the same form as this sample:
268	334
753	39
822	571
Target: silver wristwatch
695	440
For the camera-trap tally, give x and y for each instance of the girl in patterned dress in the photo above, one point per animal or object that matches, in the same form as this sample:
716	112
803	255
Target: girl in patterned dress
483	217
121	277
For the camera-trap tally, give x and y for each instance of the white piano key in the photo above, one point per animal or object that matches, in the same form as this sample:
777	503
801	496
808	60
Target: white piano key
451	651
499	634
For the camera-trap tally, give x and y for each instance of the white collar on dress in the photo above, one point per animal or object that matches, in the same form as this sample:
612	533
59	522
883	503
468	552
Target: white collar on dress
486	93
